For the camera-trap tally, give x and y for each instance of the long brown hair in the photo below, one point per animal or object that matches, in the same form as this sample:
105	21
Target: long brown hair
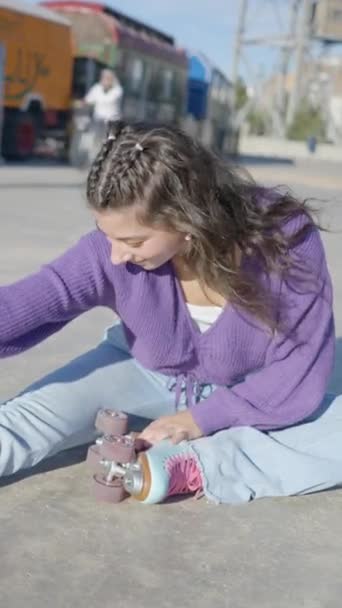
178	184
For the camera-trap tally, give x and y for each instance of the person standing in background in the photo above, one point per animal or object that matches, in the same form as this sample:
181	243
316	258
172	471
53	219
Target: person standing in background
106	98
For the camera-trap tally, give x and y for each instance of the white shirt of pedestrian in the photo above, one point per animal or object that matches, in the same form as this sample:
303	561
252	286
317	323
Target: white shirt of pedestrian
107	104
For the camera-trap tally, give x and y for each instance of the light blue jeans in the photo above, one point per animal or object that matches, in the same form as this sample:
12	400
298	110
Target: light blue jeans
237	465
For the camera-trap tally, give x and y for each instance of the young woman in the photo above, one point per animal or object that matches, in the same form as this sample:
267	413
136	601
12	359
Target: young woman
226	332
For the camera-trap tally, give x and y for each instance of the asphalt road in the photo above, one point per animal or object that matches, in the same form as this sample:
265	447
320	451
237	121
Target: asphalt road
62	549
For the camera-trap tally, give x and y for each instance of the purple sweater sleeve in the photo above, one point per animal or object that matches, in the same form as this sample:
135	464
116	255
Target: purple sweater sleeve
298	362
39	305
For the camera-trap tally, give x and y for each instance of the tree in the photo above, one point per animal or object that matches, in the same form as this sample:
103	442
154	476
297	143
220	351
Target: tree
259	122
241	94
308	122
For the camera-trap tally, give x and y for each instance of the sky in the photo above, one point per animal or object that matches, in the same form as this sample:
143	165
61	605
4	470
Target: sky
210	25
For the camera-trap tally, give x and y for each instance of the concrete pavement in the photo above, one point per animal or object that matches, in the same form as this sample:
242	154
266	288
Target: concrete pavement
61	548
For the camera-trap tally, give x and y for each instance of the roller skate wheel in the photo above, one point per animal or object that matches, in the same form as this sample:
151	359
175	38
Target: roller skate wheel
111	422
93	457
119	448
108	491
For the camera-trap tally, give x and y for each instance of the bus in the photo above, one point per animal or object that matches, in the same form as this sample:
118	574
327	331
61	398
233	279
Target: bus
151	68
210	105
38	71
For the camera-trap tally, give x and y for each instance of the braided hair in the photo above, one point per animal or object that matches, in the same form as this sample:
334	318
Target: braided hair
119	171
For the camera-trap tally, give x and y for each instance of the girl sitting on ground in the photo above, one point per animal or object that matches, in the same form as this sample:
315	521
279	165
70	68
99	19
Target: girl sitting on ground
225	334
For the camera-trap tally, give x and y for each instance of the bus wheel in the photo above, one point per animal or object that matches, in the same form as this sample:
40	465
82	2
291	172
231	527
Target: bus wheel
19	137
25	136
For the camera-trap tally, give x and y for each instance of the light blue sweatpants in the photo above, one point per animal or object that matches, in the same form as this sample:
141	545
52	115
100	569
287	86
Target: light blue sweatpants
238	464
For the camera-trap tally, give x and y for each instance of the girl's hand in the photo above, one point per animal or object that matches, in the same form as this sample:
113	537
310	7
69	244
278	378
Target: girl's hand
178	427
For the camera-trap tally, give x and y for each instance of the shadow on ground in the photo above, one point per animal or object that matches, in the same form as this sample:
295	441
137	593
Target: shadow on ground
248	159
67	458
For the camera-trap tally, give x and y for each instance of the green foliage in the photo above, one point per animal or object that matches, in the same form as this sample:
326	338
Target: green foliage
308	122
259	122
241	94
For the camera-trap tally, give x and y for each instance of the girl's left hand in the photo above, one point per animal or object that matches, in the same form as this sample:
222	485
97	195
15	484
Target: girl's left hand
178	427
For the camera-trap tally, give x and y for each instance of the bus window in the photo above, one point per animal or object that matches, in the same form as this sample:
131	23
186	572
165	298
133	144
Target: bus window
86	73
79	83
136	75
155	85
167	84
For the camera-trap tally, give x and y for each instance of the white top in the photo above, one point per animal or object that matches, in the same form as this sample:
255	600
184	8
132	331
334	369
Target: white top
107	104
204	316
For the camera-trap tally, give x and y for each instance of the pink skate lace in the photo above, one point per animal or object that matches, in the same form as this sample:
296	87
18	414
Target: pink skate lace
185	476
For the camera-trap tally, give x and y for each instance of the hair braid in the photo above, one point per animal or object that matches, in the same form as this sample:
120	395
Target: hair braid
122	167
94	176
99	186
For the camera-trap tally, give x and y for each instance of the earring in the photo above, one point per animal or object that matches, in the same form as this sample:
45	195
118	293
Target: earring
188	237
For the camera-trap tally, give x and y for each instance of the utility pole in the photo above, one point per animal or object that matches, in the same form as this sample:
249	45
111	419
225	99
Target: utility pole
286	52
240	30
301	44
296	41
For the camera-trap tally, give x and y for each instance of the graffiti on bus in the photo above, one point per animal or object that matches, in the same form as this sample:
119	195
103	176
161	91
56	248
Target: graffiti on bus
28	67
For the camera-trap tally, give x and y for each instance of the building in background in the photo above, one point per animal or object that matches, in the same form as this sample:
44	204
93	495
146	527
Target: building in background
324	90
327	20
321	90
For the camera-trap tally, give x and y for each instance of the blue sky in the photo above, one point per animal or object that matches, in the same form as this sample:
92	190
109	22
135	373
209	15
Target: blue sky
209	26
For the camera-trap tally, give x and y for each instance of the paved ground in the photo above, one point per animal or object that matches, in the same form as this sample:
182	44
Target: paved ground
60	548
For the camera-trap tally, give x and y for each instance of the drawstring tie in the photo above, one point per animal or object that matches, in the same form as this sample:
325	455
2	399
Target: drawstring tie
187	383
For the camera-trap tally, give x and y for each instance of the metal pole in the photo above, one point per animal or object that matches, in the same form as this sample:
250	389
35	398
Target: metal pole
242	12
284	64
302	38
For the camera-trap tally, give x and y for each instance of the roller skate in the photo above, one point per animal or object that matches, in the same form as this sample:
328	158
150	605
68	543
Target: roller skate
164	470
121	468
110	456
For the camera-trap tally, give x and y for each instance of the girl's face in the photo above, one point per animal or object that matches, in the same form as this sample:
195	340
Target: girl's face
133	242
